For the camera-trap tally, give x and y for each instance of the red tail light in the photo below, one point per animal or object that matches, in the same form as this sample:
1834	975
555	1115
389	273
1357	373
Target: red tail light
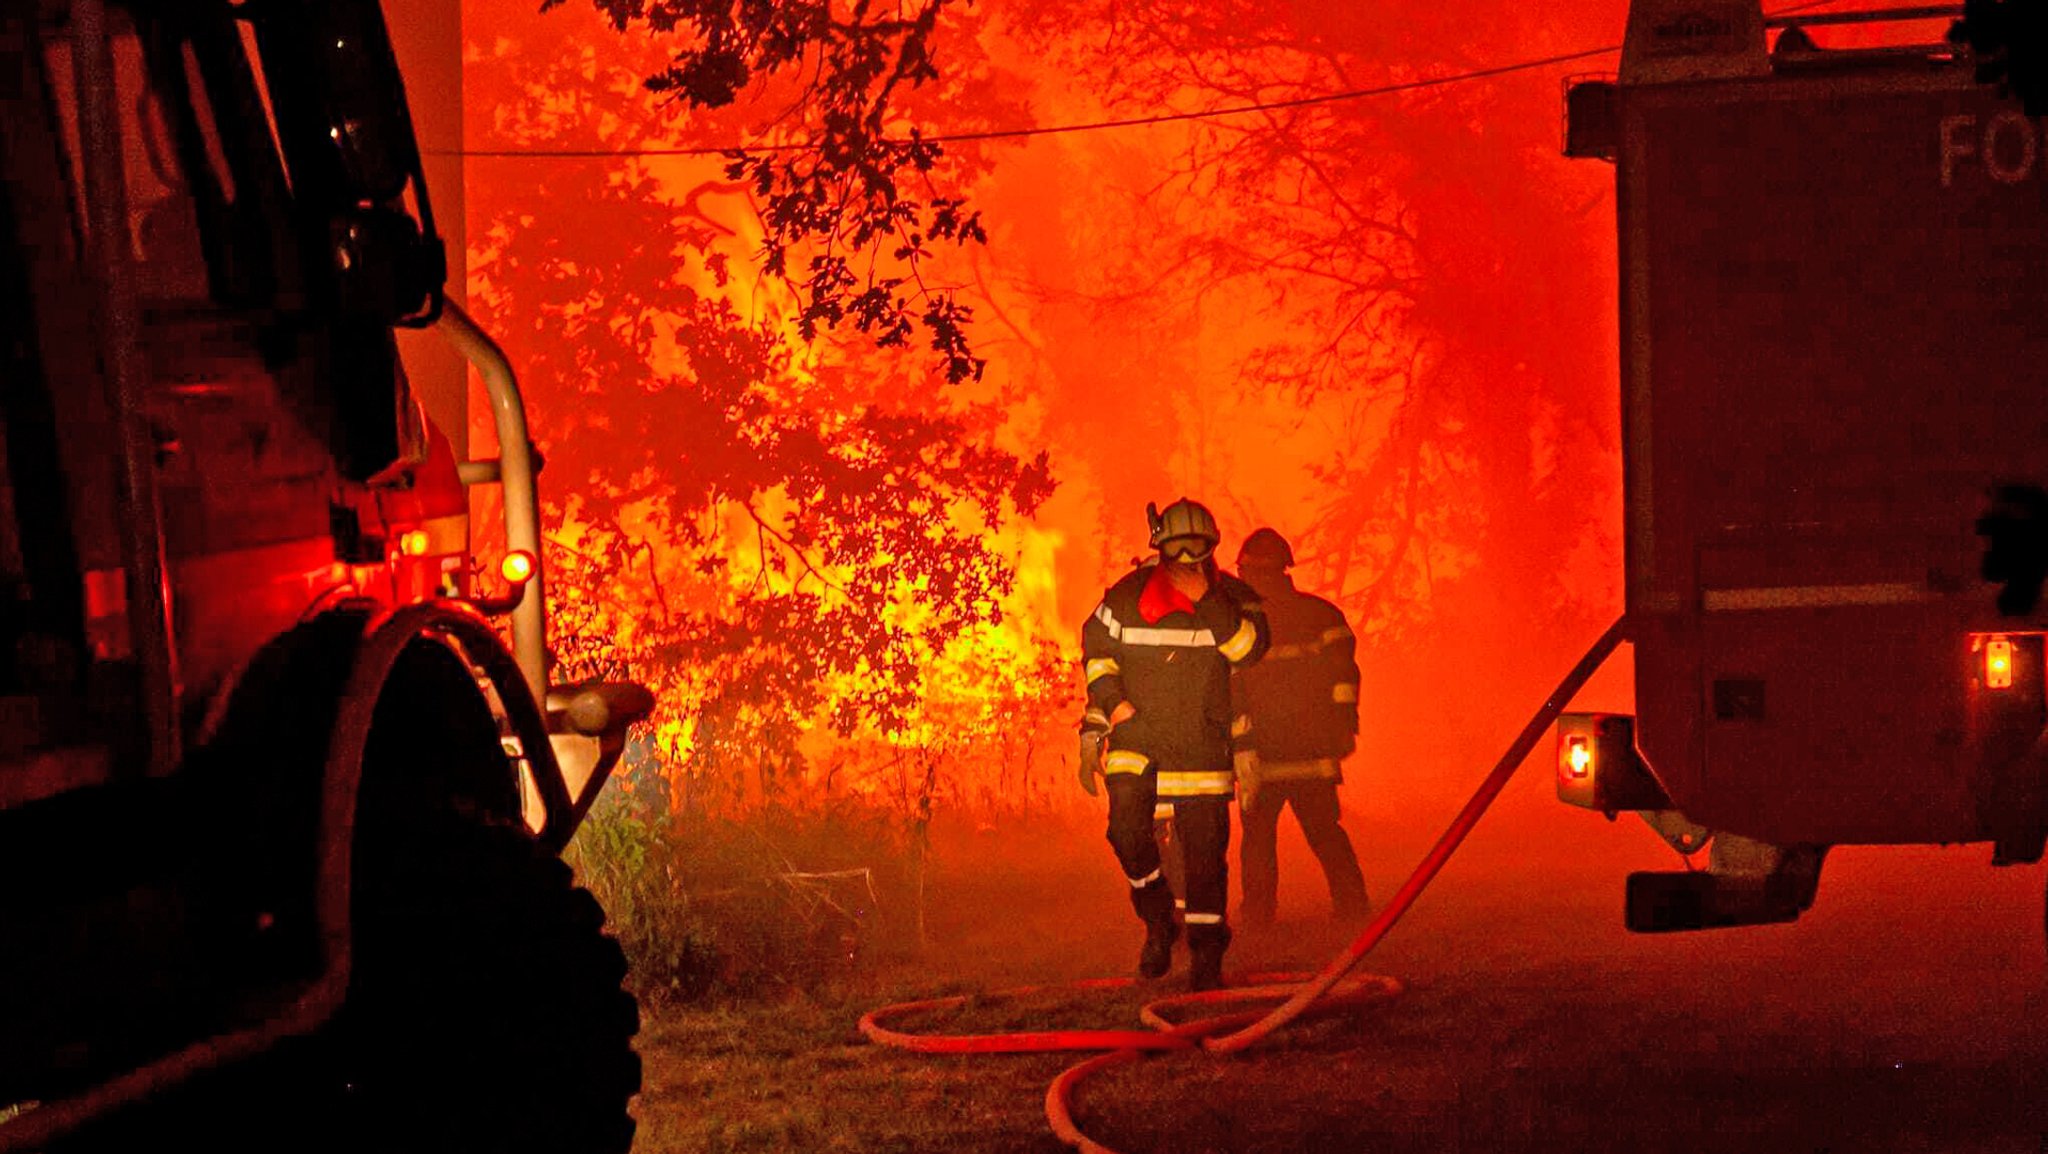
1998	664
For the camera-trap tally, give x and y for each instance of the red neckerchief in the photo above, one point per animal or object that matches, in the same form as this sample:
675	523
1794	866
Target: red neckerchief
1159	597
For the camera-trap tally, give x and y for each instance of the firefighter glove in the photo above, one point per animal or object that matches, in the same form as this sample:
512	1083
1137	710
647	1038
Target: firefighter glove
1091	759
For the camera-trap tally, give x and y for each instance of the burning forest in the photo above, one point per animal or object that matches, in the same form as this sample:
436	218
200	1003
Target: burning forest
791	541
861	339
842	452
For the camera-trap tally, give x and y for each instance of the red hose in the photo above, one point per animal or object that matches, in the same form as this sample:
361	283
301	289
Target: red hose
1438	854
1310	996
1020	1043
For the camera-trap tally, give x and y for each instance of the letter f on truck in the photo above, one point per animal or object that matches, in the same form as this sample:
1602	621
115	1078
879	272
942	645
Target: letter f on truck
1956	143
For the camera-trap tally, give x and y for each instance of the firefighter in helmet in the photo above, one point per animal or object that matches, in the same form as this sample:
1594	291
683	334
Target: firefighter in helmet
1301	707
1158	654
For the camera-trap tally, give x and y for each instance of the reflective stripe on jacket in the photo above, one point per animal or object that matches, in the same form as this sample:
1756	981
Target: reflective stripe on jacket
1175	675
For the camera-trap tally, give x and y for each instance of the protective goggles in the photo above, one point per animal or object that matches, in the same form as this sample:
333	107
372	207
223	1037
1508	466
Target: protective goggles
1187	548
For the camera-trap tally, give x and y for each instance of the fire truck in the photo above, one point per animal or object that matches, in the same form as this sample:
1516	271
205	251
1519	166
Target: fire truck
1834	265
280	809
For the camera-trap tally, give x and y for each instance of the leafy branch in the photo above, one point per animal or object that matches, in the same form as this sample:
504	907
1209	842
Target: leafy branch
837	198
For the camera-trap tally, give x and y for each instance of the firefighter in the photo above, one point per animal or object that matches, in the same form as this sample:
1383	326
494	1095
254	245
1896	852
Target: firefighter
1300	706
1158	653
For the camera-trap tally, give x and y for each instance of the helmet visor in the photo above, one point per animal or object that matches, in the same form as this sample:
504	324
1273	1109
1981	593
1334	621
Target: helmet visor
1186	548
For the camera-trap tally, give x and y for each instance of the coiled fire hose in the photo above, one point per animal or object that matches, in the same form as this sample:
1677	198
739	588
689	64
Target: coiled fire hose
1325	992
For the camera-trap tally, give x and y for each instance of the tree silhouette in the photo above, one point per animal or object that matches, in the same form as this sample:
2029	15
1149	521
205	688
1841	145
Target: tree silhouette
843	177
778	533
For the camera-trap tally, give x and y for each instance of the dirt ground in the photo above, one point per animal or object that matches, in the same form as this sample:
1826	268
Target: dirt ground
1908	1011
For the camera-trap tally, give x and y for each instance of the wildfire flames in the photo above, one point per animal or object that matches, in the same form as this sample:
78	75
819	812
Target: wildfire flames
1381	325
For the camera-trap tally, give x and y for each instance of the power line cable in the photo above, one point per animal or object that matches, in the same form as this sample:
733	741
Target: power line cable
1100	125
1089	125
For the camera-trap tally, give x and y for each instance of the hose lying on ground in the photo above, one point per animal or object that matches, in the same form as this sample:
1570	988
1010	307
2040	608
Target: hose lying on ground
1326	992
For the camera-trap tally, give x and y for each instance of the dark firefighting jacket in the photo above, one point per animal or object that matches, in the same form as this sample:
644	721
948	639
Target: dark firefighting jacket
1299	706
1175	673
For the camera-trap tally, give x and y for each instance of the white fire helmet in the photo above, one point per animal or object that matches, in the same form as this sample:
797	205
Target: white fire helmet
1183	531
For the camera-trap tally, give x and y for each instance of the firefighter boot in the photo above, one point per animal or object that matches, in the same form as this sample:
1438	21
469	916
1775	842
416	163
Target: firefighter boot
1205	948
1155	905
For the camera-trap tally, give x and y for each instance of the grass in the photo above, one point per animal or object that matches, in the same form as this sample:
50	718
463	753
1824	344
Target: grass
1531	1022
760	1050
800	1078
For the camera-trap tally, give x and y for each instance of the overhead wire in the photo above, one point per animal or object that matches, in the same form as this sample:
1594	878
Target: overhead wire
1104	124
1082	126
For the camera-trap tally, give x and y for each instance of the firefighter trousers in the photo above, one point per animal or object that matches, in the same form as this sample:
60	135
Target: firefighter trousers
1170	855
1201	826
1316	808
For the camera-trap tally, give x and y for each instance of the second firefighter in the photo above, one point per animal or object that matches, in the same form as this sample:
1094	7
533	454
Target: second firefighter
1301	704
1158	652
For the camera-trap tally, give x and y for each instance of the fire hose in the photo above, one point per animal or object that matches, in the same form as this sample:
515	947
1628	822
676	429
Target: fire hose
1327	991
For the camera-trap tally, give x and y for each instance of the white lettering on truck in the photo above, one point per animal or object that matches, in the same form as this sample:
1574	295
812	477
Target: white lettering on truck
1955	145
2002	126
2009	146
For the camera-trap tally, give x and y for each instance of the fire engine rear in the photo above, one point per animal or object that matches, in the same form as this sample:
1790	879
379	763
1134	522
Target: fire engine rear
1833	268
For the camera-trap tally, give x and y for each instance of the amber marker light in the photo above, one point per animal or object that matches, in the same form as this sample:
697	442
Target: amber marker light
517	567
414	543
1998	664
1578	756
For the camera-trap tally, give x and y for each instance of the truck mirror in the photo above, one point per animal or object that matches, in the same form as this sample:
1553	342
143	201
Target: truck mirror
348	141
382	265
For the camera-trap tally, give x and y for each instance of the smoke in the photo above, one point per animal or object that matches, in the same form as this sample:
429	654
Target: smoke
1383	326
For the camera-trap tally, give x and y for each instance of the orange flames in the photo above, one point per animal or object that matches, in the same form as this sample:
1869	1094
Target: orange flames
1383	327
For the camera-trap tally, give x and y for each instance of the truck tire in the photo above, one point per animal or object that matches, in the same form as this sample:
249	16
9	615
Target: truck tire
485	1014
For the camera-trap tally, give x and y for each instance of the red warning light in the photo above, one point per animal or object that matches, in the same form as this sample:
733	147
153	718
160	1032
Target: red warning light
1998	664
